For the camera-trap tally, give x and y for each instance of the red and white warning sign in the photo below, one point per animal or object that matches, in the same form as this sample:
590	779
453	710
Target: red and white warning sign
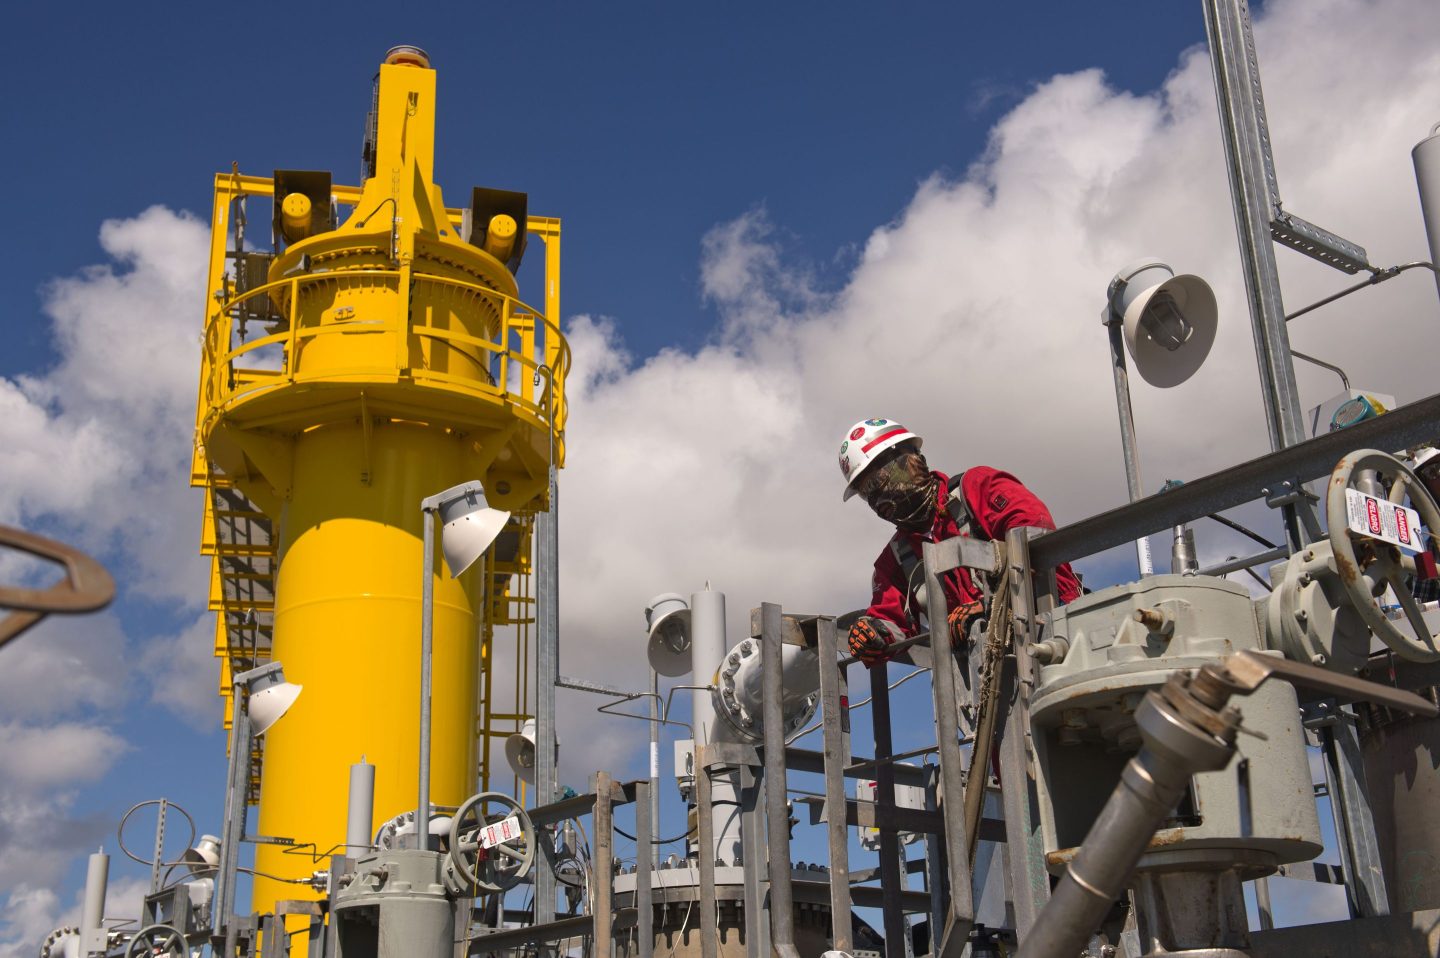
1379	519
500	832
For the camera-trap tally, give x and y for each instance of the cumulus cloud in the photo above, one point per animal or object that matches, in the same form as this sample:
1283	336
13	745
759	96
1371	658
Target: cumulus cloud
181	673
973	317
99	445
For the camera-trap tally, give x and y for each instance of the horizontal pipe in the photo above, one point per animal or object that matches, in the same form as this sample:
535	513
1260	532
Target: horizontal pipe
1410	424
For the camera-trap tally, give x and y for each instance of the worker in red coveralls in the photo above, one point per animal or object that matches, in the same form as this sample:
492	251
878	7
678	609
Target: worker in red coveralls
881	462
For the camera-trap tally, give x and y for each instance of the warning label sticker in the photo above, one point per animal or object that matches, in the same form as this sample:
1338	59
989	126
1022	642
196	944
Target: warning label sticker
1379	519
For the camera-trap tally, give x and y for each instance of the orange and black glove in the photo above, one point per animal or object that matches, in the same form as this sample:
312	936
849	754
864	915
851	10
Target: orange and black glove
960	618
869	642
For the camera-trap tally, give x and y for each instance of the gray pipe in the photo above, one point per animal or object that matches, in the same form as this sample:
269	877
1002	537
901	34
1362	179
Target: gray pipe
92	920
1150	788
707	651
1427	177
360	812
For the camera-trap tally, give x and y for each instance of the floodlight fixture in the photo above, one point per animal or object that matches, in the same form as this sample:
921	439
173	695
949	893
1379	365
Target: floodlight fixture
259	697
204	858
1169	321
667	617
469	528
270	698
468	524
520	752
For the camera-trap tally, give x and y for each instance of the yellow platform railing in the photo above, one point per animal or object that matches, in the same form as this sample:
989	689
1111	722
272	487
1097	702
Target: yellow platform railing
227	384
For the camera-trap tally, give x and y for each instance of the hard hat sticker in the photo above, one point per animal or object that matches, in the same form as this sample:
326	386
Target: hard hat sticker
857	432
1386	521
872	422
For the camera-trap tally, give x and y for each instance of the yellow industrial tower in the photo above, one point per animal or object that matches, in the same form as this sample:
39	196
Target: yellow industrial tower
371	351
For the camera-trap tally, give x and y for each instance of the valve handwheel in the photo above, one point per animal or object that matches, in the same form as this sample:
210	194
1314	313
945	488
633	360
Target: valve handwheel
157	939
1367	566
501	866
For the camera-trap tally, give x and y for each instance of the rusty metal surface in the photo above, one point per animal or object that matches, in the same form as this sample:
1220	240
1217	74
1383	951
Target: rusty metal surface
86	587
1248	669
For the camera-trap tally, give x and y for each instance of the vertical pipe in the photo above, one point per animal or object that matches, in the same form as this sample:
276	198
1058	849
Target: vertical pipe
655	760
895	927
644	825
1427	179
707	650
427	562
1246	137
547	671
835	728
1262	903
360	810
705	851
92	912
782	906
1133	484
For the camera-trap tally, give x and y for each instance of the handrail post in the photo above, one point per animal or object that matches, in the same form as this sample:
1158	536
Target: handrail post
291	359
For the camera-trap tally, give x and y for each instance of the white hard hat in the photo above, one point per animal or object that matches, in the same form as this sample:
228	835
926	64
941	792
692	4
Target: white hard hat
1425	459
864	442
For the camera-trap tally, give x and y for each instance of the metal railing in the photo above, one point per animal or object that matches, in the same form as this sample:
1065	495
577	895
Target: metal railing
225	383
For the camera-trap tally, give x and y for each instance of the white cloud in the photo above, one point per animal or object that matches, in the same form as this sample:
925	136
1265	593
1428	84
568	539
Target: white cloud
65	664
182	673
974	319
99	445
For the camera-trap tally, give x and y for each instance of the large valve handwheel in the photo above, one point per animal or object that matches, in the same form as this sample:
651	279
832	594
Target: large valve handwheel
1367	565
157	940
506	861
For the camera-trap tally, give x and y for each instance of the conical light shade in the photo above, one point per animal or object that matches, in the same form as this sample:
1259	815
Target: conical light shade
269	703
520	752
668	617
204	857
1160	366
470	526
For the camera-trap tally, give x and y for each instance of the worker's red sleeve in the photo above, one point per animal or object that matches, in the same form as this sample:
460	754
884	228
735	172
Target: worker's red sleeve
1000	502
887	592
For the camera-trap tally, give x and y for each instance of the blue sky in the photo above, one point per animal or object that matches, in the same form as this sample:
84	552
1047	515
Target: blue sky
642	125
778	220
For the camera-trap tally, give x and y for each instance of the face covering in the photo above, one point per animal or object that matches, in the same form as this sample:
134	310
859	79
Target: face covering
904	492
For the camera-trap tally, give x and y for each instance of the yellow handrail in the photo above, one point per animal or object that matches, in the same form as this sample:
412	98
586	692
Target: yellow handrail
227	382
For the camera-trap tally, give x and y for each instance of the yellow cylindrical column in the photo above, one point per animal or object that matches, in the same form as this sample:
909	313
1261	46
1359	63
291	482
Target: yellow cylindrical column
347	628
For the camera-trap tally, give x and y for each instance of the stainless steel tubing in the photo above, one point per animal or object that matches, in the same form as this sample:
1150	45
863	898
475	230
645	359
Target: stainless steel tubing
1149	789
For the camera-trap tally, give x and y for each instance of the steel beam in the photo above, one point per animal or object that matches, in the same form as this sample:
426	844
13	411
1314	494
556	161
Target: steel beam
1354	824
705	848
1409	425
949	941
643	890
896	928
603	894
777	825
1246	136
1024	844
547	675
835	731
